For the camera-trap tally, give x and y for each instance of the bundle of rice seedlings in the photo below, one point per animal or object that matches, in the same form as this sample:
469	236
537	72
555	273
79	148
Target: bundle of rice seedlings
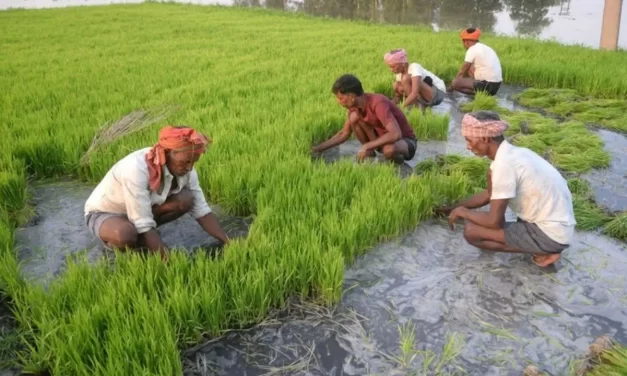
130	123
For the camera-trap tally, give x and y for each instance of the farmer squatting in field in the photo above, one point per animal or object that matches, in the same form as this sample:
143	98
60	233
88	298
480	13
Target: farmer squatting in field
481	63
418	85
520	178
377	122
148	188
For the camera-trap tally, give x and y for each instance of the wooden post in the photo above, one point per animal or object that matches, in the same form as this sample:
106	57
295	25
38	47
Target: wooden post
611	24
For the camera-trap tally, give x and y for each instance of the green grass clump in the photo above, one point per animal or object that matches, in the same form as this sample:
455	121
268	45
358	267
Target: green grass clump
483	101
588	214
228	70
429	126
567	103
617	227
570	146
612	362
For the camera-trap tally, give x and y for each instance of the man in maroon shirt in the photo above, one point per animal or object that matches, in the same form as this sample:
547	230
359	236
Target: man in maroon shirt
377	122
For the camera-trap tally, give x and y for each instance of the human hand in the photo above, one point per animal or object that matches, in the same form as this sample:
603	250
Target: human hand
457	213
443	210
362	154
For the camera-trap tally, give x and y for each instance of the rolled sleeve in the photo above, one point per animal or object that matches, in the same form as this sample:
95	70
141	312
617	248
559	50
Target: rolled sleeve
200	207
504	182
134	185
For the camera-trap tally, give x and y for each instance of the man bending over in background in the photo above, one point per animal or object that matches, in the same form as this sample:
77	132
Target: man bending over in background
520	178
377	122
151	187
418	85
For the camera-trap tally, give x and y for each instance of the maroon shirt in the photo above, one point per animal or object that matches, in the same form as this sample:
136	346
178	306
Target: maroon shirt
377	112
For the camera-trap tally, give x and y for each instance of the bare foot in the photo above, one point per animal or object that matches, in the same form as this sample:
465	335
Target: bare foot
545	260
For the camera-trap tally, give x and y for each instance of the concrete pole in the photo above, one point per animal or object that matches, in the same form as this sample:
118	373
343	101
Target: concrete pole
611	24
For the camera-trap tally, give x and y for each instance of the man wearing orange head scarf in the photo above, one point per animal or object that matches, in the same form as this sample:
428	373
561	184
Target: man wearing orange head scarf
481	63
151	187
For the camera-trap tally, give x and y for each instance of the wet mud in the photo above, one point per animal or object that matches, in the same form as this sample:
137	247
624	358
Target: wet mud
505	312
59	232
610	184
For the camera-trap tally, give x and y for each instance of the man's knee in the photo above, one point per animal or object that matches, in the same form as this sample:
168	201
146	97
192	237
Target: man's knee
470	232
124	236
389	151
455	84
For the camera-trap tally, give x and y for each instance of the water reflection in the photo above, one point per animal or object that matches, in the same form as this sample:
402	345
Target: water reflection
530	16
559	19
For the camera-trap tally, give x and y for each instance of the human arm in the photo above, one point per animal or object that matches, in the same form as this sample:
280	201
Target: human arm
469	60
339	138
411	85
201	211
384	114
134	182
502	184
475	201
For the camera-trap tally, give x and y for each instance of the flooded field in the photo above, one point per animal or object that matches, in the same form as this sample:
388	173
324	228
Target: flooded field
567	21
427	301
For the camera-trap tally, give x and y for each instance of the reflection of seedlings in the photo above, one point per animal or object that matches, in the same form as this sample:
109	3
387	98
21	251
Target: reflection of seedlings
544	314
487	327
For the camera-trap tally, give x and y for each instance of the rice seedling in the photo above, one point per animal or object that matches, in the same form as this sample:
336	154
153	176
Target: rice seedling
612	362
482	101
617	227
429	126
588	214
567	103
263	112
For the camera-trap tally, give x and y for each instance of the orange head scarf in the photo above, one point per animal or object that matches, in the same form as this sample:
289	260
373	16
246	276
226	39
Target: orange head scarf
172	138
470	36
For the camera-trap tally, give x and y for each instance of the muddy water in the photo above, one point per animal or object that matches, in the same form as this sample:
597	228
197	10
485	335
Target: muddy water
567	21
610	185
507	312
59	231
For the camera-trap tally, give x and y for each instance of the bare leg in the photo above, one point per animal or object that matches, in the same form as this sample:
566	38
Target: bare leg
119	232
398	92
397	152
363	133
464	85
494	240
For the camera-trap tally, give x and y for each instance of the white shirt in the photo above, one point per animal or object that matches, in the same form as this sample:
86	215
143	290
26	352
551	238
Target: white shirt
486	62
416	70
537	192
124	189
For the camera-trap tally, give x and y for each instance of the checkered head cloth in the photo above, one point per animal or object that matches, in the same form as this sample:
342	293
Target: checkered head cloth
472	127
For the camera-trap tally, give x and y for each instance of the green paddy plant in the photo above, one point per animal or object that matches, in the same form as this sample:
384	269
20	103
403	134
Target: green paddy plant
568	104
611	362
428	125
588	214
617	227
482	101
262	111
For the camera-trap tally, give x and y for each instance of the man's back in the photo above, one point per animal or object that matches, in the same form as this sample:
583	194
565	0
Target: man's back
541	193
486	62
378	110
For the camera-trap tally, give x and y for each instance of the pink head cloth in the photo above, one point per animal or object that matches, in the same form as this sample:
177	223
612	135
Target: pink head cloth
397	57
471	127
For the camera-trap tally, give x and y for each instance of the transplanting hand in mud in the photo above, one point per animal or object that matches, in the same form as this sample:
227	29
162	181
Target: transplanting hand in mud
148	188
481	63
418	85
524	181
377	122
